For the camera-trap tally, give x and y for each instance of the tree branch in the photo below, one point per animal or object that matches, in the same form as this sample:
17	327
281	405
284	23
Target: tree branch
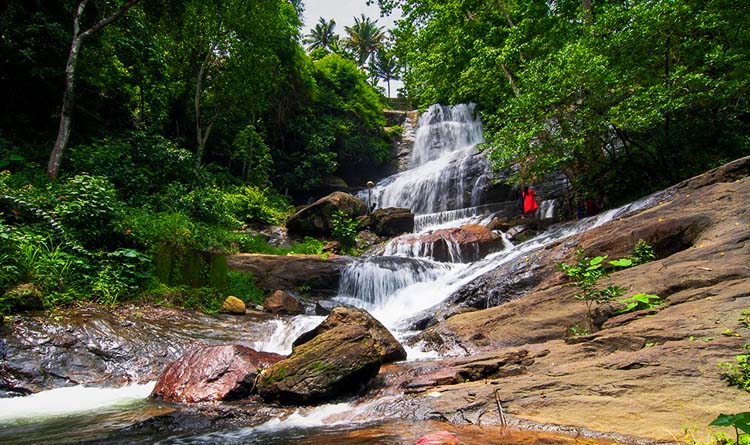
106	20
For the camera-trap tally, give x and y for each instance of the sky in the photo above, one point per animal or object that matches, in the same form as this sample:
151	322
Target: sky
343	12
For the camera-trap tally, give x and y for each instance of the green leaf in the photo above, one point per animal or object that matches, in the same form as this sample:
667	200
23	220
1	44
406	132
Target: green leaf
597	260
739	420
622	262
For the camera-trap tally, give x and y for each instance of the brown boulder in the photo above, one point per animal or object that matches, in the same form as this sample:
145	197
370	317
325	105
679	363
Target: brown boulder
392	221
465	244
289	272
281	302
212	373
233	305
315	219
337	362
389	348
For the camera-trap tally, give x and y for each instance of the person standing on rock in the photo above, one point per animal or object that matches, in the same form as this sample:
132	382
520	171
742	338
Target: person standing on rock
529	203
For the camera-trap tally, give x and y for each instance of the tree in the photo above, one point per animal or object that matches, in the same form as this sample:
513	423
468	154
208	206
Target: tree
66	113
321	35
364	37
385	66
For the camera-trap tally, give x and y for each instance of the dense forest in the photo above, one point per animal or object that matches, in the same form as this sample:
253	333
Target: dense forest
138	135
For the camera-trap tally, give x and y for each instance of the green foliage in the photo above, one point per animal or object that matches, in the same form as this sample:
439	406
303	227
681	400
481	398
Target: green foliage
89	208
199	298
139	164
344	229
640	302
586	273
642	253
242	285
737	373
610	96
254	155
739	421
577	330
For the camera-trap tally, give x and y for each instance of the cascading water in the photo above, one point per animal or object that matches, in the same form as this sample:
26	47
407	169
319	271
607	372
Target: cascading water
446	170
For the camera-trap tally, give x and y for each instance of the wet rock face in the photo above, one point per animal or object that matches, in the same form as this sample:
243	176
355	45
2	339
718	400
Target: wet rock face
212	373
96	346
340	361
315	219
389	348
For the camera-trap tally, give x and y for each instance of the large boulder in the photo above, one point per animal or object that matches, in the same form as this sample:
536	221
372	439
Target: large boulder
392	221
315	219
465	244
320	276
212	373
389	348
281	302
338	362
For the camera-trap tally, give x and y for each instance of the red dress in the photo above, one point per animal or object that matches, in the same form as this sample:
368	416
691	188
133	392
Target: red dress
529	203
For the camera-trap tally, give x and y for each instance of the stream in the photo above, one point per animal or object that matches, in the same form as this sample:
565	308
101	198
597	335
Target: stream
444	187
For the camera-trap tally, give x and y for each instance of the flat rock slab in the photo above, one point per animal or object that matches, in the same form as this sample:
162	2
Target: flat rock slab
291	272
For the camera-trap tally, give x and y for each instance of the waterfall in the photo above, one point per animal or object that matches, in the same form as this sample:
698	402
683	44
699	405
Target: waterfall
444	188
446	171
370	283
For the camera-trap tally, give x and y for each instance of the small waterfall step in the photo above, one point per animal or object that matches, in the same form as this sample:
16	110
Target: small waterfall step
371	282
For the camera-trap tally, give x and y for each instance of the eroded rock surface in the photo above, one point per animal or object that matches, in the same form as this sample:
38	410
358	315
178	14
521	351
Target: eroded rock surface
646	374
340	361
389	348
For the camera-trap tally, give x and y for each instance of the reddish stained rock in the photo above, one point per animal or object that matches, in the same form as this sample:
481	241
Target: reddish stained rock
212	373
465	244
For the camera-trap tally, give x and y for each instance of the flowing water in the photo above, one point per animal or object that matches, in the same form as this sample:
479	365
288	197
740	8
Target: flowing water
444	187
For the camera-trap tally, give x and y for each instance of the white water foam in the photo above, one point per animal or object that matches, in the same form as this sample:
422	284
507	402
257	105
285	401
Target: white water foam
303	418
70	400
282	333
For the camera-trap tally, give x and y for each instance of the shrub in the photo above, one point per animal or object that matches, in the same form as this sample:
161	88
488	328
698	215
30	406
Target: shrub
344	229
586	274
642	253
242	285
89	208
738	373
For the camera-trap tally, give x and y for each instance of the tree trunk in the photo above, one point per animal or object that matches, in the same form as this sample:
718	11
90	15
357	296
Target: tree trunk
200	136
511	80
588	15
66	114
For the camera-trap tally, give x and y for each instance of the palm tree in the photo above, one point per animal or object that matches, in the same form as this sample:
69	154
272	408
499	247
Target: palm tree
321	36
385	66
365	37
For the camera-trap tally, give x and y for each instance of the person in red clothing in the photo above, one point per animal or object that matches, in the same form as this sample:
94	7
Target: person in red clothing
529	203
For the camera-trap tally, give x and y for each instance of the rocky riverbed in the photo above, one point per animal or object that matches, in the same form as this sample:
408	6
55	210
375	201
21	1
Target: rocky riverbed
646	376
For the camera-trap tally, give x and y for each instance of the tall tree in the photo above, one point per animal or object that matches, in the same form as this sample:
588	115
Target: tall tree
385	66
66	113
321	35
364	37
